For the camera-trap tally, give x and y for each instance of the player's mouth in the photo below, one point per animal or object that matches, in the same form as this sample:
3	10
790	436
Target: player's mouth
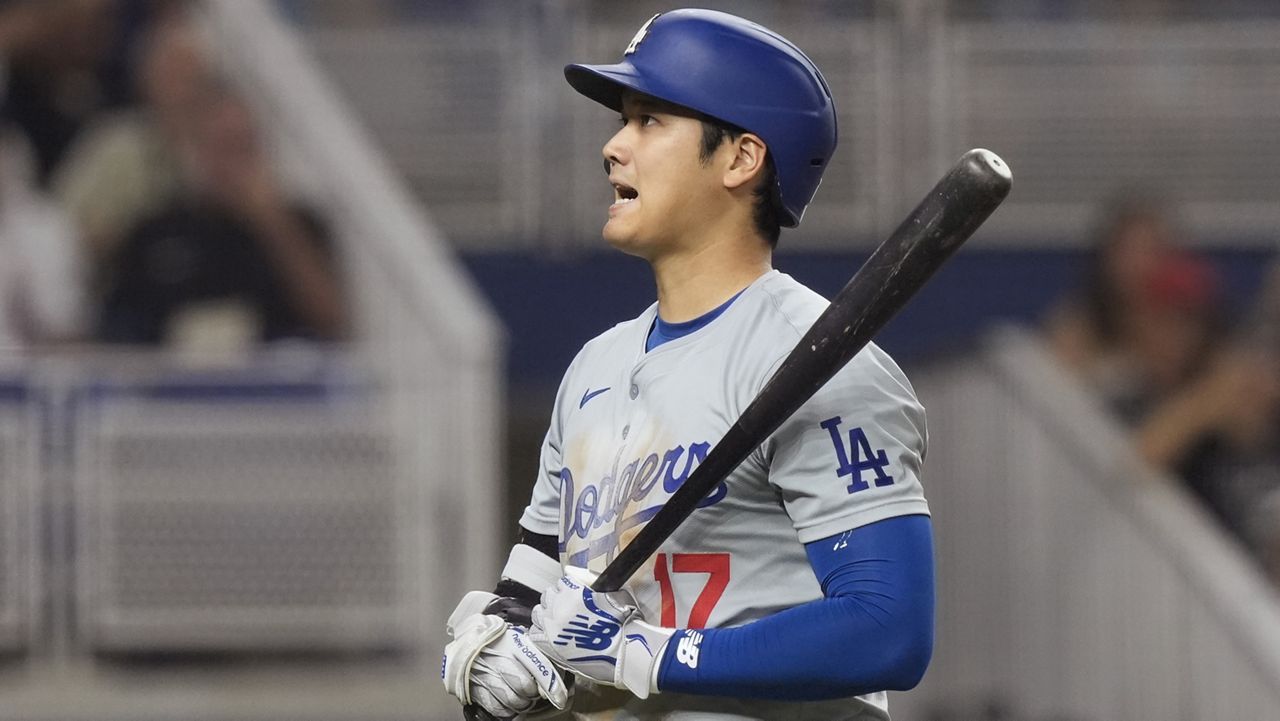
623	194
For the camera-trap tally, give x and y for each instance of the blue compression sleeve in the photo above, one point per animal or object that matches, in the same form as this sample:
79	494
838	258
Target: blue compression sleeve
873	631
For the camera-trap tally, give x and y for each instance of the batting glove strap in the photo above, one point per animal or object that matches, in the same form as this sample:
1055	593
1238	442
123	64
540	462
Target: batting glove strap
472	604
531	568
641	658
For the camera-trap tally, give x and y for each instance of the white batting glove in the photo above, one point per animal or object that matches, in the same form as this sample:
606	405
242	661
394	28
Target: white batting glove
598	635
490	663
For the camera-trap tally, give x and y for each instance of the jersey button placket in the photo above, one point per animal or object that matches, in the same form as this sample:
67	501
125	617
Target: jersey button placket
635	391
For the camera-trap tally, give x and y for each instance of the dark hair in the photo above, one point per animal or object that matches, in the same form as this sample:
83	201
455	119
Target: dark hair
1125	210
768	204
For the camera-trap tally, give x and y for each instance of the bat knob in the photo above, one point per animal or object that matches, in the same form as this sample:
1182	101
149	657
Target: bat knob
991	162
982	172
471	712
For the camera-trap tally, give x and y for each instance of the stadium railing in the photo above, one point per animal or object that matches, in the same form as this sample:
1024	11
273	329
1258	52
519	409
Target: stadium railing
22	524
262	507
1074	582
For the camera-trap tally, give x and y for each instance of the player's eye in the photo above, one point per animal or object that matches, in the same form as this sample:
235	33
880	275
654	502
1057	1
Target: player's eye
643	118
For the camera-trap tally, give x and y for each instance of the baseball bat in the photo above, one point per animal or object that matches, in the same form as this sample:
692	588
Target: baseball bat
961	201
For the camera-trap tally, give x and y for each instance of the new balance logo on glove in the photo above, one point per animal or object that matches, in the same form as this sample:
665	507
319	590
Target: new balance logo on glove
535	660
589	634
687	649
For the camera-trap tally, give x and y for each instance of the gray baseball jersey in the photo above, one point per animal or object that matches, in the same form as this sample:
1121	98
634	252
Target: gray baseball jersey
629	426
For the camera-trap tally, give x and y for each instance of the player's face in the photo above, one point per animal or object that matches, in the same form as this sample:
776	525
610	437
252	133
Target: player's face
663	193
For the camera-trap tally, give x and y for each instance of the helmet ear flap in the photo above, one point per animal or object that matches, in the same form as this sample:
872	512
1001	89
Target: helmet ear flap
757	81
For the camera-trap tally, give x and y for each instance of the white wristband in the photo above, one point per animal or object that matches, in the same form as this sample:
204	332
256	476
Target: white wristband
531	568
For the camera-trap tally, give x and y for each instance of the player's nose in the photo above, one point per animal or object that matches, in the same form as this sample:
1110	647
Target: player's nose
615	151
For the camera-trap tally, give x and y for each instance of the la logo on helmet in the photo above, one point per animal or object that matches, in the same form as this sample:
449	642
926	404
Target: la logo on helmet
643	31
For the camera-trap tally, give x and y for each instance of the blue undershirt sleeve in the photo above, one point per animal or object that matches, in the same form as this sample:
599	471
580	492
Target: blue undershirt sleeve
872	630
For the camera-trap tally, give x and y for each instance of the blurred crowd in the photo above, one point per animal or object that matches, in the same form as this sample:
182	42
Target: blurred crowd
1199	386
139	205
366	12
138	200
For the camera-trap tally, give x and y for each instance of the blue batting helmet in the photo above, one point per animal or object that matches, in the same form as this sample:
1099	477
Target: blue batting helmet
735	71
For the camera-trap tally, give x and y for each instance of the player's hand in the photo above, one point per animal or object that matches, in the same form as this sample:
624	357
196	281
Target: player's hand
598	635
490	663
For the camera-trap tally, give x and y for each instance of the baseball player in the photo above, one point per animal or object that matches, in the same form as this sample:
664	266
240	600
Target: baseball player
802	587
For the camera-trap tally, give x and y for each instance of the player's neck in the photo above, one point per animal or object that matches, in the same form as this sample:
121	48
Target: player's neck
696	281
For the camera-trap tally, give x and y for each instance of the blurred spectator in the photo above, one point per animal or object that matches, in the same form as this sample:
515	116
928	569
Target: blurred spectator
1190	393
229	260
1170	335
1148	335
59	72
41	275
1089	331
128	164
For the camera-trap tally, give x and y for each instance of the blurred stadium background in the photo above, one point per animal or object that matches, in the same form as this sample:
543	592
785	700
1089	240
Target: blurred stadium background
275	531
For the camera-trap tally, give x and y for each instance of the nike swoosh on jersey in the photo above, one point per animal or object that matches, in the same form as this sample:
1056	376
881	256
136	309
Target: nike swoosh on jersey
591	394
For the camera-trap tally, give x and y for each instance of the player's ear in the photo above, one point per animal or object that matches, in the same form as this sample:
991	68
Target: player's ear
747	162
